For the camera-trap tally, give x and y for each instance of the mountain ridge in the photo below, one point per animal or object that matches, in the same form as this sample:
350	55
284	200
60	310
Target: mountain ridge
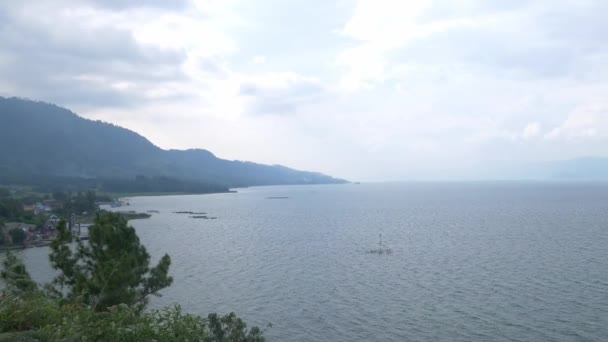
39	139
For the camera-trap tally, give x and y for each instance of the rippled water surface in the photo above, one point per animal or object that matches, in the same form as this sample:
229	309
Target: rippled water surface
470	262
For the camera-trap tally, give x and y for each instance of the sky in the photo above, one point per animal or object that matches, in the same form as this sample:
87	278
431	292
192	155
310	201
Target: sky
360	89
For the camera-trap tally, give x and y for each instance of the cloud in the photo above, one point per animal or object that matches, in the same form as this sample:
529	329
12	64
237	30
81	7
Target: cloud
521	39
584	123
280	93
74	61
259	59
126	4
531	131
383	89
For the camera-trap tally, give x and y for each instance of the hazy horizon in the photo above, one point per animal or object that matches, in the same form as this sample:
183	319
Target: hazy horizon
358	89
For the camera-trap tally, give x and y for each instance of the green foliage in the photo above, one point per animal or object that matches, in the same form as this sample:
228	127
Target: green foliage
99	295
11	209
232	328
31	315
15	277
122	323
18	236
111	269
40	318
78	203
20	313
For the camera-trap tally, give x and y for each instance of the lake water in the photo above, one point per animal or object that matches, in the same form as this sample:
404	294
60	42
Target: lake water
470	262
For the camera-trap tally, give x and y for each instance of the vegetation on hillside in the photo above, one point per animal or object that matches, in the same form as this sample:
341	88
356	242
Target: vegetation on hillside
47	146
30	219
12	210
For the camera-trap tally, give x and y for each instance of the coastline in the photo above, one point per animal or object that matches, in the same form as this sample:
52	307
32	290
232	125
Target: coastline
126	196
123	196
43	243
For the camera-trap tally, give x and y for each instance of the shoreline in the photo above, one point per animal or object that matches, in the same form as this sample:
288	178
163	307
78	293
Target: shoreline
43	243
163	194
126	196
121	196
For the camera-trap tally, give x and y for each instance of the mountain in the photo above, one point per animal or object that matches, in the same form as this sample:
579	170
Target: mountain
41	142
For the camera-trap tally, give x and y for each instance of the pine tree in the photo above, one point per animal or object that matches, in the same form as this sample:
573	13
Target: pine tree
112	268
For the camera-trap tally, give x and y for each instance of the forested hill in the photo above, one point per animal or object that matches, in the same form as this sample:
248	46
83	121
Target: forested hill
41	142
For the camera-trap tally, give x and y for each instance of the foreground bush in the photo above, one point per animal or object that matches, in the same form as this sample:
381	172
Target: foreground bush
37	317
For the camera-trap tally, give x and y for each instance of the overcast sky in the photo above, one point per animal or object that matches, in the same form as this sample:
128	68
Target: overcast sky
366	90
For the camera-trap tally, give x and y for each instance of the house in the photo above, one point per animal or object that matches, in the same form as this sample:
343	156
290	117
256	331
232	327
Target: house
41	208
37	208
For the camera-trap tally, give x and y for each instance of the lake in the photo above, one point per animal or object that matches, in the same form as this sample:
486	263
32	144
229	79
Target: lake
470	261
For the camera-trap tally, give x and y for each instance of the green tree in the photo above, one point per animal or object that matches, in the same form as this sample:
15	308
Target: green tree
11	208
15	277
95	281
18	236
113	268
232	328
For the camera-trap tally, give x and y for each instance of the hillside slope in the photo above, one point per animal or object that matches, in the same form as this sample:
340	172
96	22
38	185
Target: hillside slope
43	140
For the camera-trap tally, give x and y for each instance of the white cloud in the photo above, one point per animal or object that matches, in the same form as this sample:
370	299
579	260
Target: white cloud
382	28
279	93
259	59
531	131
584	123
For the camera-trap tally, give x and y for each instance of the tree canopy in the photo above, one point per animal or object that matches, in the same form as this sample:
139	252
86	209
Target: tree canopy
112	268
18	236
15	276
